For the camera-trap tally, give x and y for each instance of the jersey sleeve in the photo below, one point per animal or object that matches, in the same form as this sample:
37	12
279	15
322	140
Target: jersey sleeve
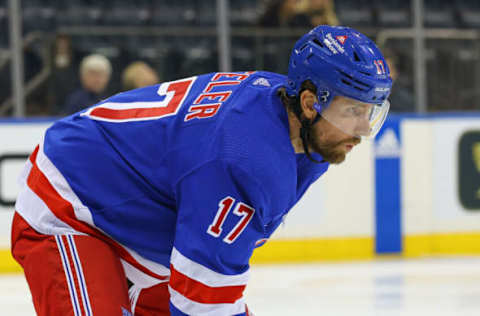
219	221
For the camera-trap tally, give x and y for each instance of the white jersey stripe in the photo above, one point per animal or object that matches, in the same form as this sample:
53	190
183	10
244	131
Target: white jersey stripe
62	187
69	276
149	264
22	177
39	216
203	274
133	294
138	119
81	277
140	278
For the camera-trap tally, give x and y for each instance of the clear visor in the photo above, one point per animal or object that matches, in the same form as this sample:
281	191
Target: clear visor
356	118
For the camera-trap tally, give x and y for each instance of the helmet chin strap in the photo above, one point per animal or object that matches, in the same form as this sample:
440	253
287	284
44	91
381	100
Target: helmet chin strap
305	134
306	125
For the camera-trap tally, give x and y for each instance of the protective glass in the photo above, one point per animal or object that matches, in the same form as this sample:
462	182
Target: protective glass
356	118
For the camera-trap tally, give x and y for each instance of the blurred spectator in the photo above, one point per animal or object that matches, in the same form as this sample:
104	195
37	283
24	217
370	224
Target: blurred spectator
64	73
95	71
322	12
138	74
284	13
401	98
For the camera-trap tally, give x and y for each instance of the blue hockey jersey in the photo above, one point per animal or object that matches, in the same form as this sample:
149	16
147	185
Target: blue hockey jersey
184	179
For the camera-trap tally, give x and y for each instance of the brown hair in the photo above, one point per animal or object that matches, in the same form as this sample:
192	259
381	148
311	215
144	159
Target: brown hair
292	102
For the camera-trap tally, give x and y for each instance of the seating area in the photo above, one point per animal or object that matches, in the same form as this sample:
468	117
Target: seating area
51	15
183	54
48	14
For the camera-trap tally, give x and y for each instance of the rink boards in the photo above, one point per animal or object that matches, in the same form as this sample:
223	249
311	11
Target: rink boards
415	191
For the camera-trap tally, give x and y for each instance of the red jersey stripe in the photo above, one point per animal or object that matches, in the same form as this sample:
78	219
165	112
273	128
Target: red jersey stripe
130	113
33	156
201	293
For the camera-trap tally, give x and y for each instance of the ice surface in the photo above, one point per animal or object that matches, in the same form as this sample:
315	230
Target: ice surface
420	287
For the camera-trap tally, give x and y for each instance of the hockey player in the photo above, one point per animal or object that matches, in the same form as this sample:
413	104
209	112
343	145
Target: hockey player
152	201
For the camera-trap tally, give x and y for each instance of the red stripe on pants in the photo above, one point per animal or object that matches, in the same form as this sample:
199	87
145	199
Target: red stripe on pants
75	278
39	256
105	278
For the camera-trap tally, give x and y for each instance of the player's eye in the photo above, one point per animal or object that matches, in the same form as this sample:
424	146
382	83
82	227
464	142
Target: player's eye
354	111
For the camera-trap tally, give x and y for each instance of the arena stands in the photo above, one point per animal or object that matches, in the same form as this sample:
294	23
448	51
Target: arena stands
178	38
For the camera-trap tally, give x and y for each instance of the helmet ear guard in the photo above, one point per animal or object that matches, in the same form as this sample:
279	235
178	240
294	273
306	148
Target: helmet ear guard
324	99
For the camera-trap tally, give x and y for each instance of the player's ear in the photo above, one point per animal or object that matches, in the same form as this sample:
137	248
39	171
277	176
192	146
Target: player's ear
307	100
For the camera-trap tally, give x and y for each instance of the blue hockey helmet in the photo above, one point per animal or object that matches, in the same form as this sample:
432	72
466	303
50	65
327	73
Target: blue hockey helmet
341	61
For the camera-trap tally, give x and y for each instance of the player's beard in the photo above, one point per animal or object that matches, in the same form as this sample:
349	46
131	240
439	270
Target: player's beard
332	151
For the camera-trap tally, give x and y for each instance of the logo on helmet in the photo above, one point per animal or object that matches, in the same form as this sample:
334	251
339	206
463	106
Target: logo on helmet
335	43
380	67
330	46
341	39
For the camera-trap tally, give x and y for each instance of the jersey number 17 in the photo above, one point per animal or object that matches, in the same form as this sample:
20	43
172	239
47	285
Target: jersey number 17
241	209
